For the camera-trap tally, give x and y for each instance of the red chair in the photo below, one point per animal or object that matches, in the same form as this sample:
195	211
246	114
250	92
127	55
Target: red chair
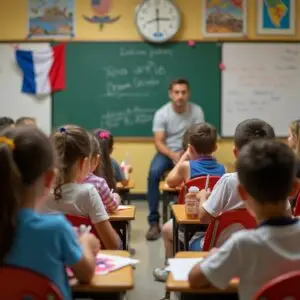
18	283
297	206
221	227
199	182
76	221
285	286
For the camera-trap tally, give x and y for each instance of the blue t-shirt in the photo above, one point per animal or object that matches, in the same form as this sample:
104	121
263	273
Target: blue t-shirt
118	173
206	166
45	244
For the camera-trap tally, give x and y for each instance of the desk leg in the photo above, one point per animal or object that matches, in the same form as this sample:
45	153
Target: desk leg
175	237
122	228
186	238
217	296
165	207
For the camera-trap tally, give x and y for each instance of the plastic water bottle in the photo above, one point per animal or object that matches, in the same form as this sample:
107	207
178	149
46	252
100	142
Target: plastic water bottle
192	203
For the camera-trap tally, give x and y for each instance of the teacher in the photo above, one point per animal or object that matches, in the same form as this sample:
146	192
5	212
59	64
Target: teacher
169	124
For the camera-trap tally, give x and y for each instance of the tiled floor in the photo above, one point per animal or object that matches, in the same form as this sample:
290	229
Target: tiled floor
150	254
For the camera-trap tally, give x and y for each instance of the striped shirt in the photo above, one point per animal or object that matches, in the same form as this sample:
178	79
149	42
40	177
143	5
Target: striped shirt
109	200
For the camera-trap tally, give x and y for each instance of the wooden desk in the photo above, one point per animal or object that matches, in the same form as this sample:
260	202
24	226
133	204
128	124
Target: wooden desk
124	190
188	226
187	293
167	195
120	221
110	286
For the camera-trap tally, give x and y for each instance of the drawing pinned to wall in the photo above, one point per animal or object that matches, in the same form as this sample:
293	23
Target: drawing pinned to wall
276	17
101	9
50	18
224	18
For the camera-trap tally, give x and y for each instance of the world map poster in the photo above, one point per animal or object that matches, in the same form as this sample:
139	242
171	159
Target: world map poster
276	17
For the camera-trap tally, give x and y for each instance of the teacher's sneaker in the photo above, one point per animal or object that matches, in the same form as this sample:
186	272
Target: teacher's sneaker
161	274
153	233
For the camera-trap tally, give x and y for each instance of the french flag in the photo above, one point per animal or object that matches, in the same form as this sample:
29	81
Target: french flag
43	71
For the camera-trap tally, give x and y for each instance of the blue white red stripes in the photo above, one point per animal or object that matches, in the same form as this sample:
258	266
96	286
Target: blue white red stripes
43	71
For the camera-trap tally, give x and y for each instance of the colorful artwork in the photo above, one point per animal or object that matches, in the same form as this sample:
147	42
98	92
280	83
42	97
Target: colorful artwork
101	9
50	18
224	18
276	17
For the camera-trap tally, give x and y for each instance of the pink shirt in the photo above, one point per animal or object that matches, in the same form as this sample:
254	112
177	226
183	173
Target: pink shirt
109	201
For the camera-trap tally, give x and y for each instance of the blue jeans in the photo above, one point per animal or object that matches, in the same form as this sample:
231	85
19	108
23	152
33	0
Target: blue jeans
160	163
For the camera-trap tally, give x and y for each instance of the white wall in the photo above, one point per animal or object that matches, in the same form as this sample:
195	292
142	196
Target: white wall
15	104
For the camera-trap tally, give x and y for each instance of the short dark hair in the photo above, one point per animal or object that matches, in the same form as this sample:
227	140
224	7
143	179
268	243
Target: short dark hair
267	169
252	129
203	137
22	120
178	81
5	122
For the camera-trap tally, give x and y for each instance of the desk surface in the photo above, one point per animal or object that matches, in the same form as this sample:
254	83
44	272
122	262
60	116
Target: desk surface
163	187
116	281
123	215
129	186
184	287
180	215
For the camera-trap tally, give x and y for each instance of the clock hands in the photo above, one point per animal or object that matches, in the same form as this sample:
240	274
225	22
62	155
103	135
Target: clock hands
157	19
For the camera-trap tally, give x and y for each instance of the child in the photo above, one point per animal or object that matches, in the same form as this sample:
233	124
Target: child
72	197
195	162
106	142
26	121
224	196
110	200
6	122
266	172
294	141
42	243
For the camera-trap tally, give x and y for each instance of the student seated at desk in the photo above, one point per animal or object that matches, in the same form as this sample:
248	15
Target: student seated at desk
70	196
267	175
27	121
45	244
6	122
195	162
106	141
224	196
110	200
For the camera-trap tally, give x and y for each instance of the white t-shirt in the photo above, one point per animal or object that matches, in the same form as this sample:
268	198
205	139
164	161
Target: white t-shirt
78	199
255	257
224	196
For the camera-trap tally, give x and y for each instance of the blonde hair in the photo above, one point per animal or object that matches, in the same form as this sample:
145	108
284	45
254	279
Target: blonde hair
295	130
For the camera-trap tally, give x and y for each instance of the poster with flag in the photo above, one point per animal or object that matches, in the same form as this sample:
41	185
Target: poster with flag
43	71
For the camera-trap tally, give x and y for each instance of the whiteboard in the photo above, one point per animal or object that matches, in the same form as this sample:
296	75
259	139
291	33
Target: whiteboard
260	80
13	103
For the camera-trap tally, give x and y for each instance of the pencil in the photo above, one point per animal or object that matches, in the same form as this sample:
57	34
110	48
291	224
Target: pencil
207	182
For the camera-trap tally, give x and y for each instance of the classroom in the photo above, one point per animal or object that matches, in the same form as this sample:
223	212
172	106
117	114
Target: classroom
159	97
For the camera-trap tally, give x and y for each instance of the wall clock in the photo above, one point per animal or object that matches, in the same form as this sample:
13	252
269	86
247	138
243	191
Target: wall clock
157	21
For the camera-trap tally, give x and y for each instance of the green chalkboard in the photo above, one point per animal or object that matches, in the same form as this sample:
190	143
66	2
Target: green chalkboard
119	85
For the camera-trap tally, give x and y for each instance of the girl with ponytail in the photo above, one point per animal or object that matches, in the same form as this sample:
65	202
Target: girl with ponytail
43	243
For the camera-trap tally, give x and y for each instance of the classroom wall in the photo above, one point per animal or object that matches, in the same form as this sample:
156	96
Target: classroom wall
13	28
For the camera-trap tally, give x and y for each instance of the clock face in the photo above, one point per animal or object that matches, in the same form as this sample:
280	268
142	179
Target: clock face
157	20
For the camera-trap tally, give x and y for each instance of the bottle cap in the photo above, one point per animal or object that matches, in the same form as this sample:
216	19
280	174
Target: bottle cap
193	189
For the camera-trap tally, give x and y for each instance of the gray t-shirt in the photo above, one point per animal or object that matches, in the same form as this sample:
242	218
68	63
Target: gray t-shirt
174	124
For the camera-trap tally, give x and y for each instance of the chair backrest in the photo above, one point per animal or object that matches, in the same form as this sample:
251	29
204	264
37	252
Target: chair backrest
297	206
283	287
18	284
76	221
199	182
221	227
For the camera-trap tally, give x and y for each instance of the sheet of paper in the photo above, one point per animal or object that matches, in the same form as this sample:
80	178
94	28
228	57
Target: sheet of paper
108	263
122	207
181	267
